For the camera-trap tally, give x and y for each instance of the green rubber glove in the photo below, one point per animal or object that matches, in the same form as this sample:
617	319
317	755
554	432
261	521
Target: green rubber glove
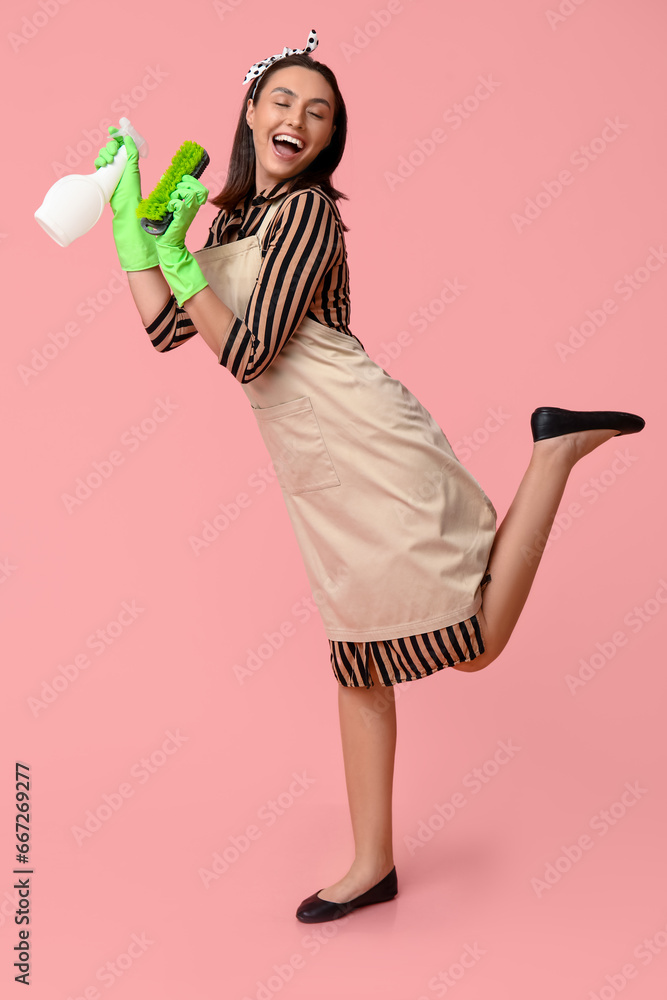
178	265
135	247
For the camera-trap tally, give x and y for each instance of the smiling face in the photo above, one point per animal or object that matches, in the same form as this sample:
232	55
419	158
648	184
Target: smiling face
296	102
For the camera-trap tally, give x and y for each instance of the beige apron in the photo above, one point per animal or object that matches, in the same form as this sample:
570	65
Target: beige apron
394	532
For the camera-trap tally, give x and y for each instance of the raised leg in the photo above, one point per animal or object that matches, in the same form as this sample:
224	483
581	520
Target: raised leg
368	717
516	552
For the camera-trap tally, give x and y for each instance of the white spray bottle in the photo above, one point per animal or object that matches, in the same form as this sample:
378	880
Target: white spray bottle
75	202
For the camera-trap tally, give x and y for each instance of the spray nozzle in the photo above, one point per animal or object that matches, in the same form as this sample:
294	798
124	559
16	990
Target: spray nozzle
126	128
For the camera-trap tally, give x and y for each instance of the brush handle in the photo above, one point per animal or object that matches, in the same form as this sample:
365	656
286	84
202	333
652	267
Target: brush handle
157	228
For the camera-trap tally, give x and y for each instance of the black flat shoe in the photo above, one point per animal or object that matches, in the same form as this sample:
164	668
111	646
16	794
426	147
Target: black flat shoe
550	421
314	910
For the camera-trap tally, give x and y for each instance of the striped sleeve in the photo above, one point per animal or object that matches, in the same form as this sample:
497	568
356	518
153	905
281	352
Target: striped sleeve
171	327
304	246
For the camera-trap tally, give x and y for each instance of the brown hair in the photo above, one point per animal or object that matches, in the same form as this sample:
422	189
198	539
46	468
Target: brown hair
241	173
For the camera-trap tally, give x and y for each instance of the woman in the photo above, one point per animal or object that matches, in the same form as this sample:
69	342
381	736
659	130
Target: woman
413	579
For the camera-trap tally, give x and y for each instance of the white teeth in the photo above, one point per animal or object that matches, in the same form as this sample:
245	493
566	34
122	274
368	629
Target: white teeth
290	138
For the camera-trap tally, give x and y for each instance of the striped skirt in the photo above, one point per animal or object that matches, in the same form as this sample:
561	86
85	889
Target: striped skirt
406	659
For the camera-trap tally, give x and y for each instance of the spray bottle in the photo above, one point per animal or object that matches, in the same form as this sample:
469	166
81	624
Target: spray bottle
75	202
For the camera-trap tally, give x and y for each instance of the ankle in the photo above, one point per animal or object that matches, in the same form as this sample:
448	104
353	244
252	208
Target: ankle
376	865
561	450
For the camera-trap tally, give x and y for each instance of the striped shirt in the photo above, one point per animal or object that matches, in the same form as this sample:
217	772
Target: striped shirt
303	273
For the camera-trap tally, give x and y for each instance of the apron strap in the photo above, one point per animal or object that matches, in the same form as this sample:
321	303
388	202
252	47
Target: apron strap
268	218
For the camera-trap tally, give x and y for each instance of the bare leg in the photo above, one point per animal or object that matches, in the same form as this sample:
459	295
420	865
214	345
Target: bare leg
516	551
368	717
368	733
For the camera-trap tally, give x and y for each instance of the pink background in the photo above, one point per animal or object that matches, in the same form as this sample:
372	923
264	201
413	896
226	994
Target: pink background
472	888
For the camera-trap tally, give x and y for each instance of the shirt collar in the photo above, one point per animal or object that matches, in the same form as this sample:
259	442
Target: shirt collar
271	193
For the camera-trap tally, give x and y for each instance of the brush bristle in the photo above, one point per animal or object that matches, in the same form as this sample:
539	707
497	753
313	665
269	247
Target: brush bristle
154	207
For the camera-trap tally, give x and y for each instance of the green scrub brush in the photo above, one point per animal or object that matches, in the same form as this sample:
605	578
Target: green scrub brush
152	211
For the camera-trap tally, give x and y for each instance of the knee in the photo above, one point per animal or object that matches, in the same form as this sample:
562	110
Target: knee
472	666
479	663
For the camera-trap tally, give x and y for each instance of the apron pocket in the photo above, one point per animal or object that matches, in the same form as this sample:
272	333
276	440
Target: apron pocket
294	441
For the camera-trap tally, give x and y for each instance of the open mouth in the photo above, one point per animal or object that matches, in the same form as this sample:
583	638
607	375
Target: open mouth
285	148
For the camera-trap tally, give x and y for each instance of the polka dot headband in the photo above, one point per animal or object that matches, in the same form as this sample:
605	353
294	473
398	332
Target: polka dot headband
258	68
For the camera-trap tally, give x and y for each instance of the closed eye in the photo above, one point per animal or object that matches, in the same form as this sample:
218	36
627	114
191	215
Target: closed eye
287	106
